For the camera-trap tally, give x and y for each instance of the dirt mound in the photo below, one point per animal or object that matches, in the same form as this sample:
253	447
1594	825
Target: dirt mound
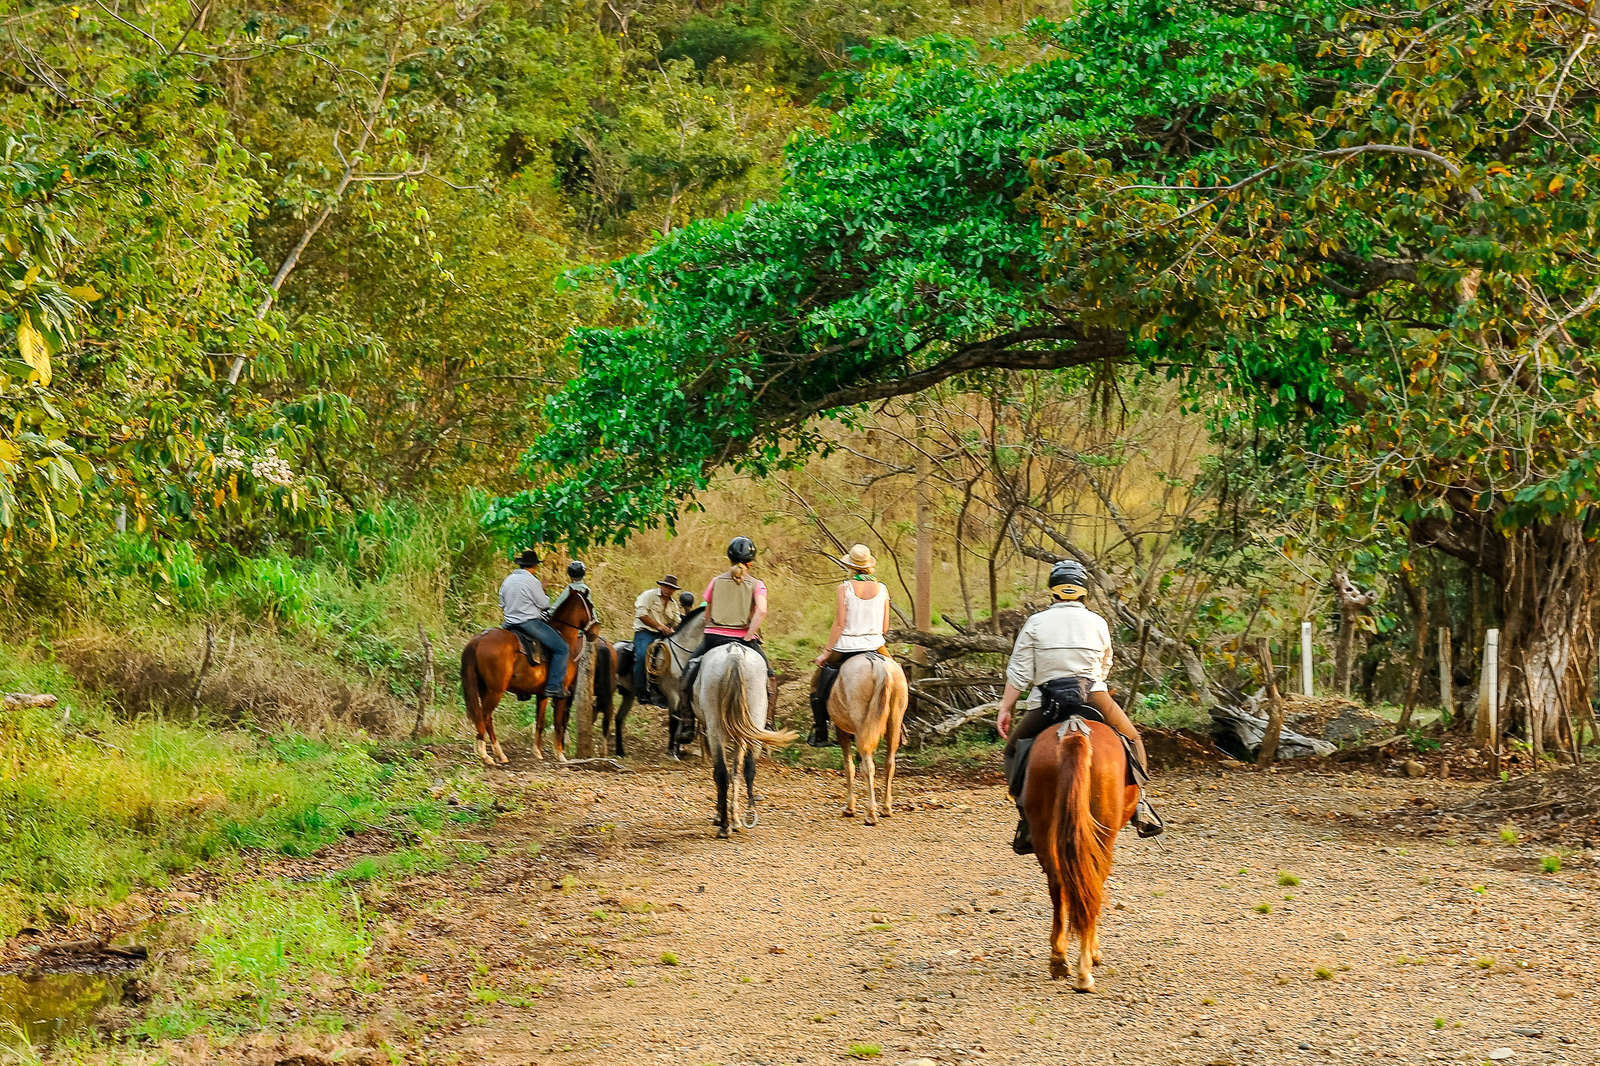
1334	719
1175	749
237	688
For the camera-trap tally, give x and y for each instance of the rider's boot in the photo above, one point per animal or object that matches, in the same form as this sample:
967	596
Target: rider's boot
1022	843
691	672
819	706
1145	819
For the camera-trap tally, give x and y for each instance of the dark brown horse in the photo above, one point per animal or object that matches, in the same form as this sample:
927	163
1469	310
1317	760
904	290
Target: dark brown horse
1077	797
493	664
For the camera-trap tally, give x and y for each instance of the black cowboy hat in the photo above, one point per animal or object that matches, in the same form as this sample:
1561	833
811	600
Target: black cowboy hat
670	582
527	557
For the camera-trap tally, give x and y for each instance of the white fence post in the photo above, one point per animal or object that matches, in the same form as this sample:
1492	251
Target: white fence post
1305	658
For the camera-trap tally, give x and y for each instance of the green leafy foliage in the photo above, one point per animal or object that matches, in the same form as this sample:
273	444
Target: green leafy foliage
897	253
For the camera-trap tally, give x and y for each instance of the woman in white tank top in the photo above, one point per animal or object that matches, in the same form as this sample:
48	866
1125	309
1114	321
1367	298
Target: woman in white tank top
860	620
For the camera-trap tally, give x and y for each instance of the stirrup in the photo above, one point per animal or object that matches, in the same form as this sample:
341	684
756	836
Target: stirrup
1146	821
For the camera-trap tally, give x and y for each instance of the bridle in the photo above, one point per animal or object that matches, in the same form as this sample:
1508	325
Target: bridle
579	630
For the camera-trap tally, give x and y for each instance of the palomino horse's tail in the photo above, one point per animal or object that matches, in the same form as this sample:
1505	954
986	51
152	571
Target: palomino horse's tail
1085	859
470	692
738	724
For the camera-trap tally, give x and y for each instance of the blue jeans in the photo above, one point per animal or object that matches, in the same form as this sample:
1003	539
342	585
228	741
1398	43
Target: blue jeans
554	647
641	655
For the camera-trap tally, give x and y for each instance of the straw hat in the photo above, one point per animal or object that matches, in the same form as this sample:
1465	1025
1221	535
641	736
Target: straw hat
859	558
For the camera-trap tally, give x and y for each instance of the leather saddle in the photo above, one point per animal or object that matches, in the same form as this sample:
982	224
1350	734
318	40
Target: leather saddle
530	647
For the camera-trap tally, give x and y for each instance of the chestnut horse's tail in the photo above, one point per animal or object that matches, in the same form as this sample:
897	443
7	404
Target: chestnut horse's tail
470	685
1085	858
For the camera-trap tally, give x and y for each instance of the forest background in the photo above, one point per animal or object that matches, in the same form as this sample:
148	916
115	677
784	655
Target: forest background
1271	315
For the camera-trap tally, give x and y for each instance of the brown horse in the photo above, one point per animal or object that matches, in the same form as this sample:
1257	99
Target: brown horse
1077	798
493	664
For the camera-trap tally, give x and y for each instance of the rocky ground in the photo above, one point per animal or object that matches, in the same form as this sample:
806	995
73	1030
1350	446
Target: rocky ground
1302	916
1263	928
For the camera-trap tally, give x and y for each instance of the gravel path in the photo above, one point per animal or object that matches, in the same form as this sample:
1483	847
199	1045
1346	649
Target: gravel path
1262	928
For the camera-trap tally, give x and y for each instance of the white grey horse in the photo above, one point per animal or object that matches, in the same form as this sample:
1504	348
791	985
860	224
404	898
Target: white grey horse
669	658
730	696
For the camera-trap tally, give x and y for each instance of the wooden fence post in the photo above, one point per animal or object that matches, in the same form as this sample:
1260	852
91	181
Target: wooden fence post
425	689
1486	730
205	663
1447	703
583	700
1269	740
1305	658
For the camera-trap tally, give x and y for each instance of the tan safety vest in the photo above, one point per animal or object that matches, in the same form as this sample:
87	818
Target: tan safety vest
733	603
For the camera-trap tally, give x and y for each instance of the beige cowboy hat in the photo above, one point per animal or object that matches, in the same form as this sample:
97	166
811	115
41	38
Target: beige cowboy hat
670	582
859	557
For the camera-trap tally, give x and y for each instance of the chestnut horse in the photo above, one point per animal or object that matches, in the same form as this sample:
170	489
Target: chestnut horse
1077	798
492	664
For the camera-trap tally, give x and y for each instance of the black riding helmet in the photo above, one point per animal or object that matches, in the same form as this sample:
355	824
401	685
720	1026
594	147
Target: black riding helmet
742	550
576	570
1069	572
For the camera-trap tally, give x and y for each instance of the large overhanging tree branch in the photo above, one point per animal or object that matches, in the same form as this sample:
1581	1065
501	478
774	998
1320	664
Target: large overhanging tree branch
900	253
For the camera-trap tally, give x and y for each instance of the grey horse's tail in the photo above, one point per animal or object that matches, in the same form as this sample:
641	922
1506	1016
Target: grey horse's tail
738	724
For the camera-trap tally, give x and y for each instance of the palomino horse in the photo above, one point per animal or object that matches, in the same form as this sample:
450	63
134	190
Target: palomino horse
671	655
492	664
867	704
731	695
1077	798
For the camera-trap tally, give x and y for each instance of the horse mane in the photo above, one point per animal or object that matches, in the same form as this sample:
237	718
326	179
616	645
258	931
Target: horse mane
690	617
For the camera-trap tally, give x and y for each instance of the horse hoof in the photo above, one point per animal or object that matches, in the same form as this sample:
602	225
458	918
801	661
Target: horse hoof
723	833
1085	985
848	812
1059	969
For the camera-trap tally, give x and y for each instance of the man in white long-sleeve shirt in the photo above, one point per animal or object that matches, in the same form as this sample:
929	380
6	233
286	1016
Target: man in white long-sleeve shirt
524	604
1065	640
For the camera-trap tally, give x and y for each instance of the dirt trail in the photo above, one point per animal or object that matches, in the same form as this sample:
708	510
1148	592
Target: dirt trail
924	937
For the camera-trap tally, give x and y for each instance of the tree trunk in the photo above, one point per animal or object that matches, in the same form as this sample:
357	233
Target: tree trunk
1547	607
1352	602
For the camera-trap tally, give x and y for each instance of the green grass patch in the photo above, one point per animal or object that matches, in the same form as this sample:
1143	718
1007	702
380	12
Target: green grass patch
865	1051
1551	863
1286	879
98	804
257	947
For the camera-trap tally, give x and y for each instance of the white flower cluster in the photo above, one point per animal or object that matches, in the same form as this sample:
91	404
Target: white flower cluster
231	459
271	468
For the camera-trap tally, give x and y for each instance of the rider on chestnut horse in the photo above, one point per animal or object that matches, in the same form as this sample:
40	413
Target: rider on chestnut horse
1064	655
526	608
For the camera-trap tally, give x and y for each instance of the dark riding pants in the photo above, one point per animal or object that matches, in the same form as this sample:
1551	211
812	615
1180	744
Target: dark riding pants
1038	720
691	671
822	684
554	647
